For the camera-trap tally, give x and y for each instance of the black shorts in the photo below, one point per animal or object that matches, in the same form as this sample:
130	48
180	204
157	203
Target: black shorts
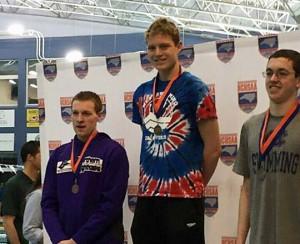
162	220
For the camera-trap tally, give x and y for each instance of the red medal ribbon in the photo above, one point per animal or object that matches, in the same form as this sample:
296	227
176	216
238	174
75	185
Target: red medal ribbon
265	145
87	143
158	101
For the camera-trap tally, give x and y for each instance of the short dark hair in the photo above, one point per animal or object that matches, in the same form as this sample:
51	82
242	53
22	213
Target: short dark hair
89	96
30	147
165	27
291	55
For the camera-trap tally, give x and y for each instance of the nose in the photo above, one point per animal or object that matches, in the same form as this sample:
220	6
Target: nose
79	117
157	51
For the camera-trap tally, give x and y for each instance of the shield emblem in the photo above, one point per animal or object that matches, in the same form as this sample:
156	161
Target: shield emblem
66	109
81	68
145	62
132	197
113	64
52	145
128	96
186	56
50	70
42	113
225	50
247	95
103	110
267	45
211	200
228	148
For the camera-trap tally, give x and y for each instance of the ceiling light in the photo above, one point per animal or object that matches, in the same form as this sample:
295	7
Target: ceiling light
33	85
16	29
74	56
12	82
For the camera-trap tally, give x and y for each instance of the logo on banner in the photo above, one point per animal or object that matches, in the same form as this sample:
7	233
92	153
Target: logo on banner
113	64
81	68
42	113
211	88
120	141
103	110
211	200
228	240
145	62
225	50
52	145
267	45
186	56
228	148
132	197
50	70
66	109
128	97
247	93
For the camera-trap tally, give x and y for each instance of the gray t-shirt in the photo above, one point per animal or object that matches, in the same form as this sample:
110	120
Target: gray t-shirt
275	182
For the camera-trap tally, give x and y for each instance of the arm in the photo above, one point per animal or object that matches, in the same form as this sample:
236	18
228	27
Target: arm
9	227
50	205
209	131
109	206
32	221
244	212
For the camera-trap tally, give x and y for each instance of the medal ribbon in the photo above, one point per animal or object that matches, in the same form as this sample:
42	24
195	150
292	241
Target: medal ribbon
158	101
266	145
87	143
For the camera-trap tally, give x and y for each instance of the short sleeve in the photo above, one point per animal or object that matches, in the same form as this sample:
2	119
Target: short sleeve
9	203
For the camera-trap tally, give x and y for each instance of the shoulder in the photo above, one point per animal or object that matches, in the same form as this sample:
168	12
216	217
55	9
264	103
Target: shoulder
193	82
109	144
15	180
61	150
254	120
144	86
36	194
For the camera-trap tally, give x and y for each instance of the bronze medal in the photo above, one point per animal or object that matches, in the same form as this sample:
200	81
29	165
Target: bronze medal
75	188
157	130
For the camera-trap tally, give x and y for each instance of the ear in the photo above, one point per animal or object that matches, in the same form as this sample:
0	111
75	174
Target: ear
180	45
298	82
99	116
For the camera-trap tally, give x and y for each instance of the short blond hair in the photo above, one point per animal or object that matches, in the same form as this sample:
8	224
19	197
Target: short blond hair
165	27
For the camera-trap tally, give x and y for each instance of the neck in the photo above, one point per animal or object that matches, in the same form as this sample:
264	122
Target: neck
166	75
280	109
31	172
85	138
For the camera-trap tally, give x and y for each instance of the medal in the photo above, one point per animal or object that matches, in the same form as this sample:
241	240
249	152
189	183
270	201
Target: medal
75	187
74	165
266	144
157	130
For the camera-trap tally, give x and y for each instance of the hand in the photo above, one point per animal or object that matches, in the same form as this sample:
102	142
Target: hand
70	241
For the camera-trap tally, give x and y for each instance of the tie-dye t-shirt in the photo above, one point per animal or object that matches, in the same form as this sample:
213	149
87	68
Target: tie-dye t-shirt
171	156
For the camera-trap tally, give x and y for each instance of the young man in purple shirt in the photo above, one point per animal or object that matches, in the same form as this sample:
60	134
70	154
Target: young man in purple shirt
85	182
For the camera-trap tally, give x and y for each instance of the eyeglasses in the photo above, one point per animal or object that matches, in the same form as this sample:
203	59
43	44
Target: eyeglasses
280	74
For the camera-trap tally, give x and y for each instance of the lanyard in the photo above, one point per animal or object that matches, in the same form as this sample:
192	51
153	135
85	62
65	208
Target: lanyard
158	101
87	143
266	145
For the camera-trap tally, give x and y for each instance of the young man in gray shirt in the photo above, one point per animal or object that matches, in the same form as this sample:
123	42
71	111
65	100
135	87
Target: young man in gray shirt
269	157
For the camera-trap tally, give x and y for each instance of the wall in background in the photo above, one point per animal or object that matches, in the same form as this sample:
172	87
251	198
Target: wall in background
56	47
